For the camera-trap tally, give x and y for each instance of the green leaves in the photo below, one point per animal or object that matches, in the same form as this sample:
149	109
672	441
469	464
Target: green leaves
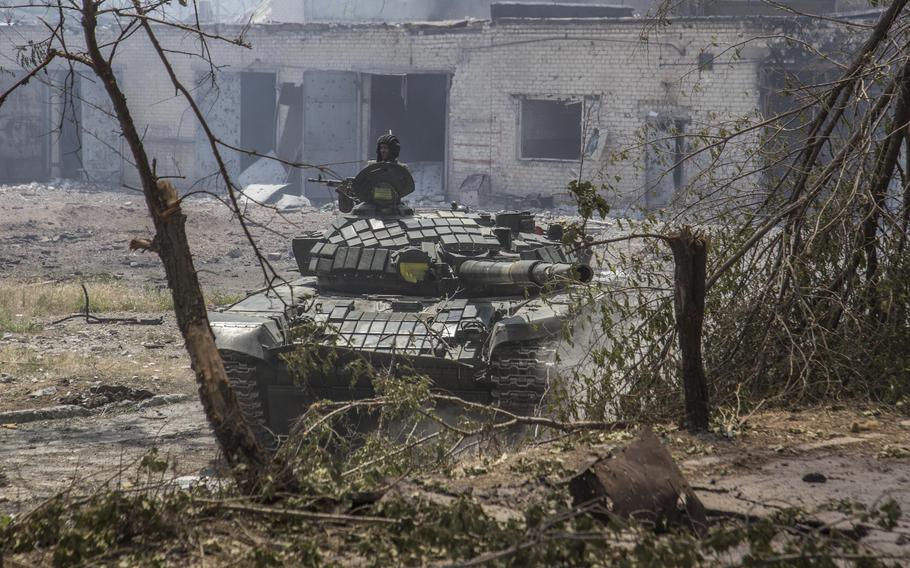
588	200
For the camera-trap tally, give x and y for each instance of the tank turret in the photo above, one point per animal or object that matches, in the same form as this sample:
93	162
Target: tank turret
382	246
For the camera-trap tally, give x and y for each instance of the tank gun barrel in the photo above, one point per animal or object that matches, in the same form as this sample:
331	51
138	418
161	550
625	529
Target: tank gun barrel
525	272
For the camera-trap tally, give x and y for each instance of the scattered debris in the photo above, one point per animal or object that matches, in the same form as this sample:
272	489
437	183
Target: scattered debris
864	426
13	417
642	482
87	405
106	394
815	477
263	192
279	196
475	189
47	391
291	202
163	399
829	443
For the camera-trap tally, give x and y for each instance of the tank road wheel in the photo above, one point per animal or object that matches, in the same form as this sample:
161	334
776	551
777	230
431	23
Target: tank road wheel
521	374
243	374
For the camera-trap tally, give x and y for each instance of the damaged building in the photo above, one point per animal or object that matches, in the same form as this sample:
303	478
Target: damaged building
503	110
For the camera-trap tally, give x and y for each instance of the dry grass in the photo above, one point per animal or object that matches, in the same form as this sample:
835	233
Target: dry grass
22	303
25	360
72	370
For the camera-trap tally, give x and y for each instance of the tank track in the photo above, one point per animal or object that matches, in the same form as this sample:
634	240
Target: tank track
521	375
242	372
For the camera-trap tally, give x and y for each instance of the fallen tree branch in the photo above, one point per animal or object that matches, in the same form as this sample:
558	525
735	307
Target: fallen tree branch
516	419
89	318
297	514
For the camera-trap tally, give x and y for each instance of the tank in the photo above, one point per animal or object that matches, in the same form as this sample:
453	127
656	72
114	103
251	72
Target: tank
475	301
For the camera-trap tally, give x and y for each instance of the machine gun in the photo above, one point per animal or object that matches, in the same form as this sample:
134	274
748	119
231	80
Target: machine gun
344	189
380	185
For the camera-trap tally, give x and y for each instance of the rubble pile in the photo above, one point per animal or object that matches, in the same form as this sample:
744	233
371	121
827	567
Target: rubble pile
102	395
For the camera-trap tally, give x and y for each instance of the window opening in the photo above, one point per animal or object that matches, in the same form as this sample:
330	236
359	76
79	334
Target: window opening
551	129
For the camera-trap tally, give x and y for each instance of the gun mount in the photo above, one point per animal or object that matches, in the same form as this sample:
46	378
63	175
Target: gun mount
377	189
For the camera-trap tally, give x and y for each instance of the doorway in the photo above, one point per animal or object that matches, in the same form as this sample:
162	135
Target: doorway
414	108
258	103
70	141
24	129
665	165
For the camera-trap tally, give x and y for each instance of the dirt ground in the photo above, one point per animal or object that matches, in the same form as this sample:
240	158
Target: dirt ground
80	234
66	232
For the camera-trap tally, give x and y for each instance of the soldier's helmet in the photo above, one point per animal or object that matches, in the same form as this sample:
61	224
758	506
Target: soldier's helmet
392	142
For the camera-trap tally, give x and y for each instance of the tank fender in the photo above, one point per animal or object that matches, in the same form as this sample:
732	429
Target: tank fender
250	337
537	324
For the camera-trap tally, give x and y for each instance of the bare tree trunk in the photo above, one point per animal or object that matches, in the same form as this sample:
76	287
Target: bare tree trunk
888	159
240	447
690	255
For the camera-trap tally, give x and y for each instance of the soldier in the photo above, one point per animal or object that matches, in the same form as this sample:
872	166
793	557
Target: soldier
387	148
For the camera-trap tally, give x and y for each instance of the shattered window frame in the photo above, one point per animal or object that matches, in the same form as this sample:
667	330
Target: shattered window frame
522	152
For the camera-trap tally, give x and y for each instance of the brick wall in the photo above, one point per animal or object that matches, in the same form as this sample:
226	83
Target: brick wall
492	66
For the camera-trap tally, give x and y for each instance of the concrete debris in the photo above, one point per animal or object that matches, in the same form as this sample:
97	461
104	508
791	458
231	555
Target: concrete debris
263	192
67	411
266	170
290	202
475	190
103	395
6	378
641	482
47	391
162	399
280	196
51	413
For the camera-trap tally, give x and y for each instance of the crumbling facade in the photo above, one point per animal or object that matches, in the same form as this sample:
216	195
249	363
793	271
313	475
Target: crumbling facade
486	110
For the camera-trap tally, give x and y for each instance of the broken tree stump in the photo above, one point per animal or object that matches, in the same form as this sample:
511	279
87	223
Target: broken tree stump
690	255
642	483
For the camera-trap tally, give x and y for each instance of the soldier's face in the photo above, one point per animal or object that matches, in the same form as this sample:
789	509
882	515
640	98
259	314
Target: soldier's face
384	151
